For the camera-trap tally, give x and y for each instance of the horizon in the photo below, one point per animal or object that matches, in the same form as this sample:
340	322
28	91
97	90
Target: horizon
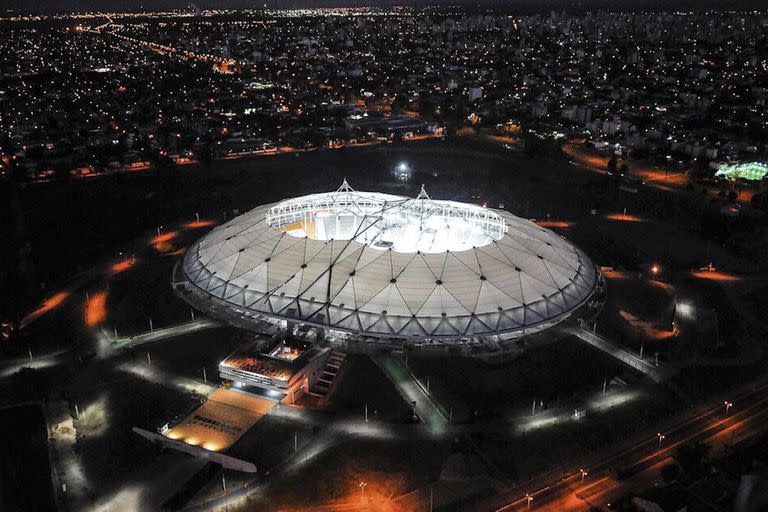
59	7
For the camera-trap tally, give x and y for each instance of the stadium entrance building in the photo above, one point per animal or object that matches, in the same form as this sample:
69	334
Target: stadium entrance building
282	369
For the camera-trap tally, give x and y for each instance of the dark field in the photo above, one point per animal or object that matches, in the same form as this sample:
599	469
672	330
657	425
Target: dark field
554	373
24	472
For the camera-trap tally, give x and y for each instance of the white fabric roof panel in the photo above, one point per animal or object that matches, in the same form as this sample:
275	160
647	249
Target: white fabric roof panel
522	277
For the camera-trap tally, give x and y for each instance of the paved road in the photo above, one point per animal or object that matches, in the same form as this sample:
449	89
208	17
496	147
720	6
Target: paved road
616	351
71	486
165	333
639	464
395	369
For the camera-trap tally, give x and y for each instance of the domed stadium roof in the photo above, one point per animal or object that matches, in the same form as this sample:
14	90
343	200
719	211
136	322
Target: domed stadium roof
389	266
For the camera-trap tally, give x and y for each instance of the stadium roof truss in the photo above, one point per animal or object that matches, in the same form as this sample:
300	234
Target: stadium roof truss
388	266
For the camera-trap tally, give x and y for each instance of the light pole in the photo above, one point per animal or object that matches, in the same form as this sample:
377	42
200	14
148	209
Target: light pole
583	474
530	499
362	485
655	269
431	498
661	438
728	405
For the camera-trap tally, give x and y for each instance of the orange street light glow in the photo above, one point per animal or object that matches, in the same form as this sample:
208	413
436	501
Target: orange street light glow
161	242
624	217
48	304
554	224
164	237
122	266
197	224
177	252
96	309
715	275
664	286
610	273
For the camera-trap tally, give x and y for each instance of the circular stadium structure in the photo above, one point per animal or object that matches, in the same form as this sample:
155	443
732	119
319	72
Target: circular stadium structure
375	265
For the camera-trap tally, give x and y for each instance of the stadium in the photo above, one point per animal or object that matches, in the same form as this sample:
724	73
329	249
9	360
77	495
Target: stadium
380	267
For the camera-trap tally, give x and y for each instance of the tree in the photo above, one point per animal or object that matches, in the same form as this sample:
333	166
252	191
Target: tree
692	458
760	201
670	473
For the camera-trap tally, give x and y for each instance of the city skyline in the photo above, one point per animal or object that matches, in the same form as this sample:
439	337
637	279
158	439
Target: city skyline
65	6
448	258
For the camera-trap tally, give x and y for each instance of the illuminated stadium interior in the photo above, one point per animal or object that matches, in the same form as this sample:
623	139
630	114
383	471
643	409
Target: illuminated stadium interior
384	221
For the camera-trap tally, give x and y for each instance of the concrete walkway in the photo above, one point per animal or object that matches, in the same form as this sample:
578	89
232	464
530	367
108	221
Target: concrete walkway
395	369
165	332
613	350
71	486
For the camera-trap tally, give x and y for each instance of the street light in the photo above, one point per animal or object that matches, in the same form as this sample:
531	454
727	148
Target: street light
362	485
530	499
583	474
655	269
661	438
728	405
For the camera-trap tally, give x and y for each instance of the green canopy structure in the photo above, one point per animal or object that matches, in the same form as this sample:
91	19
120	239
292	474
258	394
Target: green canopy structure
753	171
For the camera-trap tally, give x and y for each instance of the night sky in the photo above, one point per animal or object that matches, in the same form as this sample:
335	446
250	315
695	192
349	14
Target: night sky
522	5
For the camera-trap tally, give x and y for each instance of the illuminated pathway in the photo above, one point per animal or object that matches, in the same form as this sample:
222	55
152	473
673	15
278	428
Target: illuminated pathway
9	367
146	371
165	333
396	370
615	351
653	176
640	461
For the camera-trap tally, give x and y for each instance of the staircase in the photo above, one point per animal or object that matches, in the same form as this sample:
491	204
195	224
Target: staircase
324	383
